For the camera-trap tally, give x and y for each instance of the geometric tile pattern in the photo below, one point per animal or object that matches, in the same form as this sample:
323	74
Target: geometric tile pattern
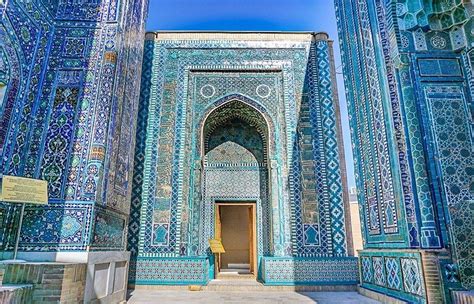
329	125
379	271
446	28
371	129
367	273
139	158
398	129
383	182
412	276
453	137
398	274
312	162
393	273
341	271
452	273
174	271
66	224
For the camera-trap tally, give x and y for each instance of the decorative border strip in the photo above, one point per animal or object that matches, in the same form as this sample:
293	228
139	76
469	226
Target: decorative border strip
310	271
169	271
398	274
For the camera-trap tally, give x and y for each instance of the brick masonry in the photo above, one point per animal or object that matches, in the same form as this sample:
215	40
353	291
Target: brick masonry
432	279
18	294
52	282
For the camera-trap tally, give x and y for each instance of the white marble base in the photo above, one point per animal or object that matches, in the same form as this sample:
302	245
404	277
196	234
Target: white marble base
107	271
107	277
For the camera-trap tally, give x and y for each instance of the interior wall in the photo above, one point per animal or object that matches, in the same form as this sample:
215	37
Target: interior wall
235	234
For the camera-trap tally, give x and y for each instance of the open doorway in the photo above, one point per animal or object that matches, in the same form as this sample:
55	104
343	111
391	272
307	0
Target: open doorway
236	227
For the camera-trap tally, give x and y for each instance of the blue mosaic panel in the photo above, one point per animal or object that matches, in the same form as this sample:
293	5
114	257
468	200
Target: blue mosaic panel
367	272
169	271
454	142
394	279
59	139
109	230
331	147
136	203
305	271
371	128
58	226
379	271
412	276
397	274
63	66
74	47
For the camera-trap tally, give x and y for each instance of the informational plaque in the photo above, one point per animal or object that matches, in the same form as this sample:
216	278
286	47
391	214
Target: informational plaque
216	246
24	190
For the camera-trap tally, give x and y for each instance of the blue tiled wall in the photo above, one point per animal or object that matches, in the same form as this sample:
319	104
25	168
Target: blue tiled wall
67	69
408	72
283	89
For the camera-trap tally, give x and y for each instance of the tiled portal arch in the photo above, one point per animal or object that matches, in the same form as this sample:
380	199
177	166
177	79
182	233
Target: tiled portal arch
234	147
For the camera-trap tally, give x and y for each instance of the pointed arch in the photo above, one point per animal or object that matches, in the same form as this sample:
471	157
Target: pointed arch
235	142
237	105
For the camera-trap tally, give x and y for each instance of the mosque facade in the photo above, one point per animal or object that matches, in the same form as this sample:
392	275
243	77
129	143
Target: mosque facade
248	119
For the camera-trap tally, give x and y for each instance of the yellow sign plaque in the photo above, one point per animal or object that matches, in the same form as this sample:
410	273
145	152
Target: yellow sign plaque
216	246
24	190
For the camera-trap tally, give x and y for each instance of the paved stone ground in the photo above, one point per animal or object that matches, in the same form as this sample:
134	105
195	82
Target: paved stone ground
235	297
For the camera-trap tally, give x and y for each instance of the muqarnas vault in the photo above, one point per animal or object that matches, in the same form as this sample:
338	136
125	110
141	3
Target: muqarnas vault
232	119
408	70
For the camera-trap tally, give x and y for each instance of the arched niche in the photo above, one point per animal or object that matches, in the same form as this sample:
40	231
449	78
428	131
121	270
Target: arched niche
235	144
234	125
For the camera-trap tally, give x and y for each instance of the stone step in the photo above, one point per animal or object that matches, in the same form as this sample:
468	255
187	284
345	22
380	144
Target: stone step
235	276
253	285
238	266
235	270
234	285
50	281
